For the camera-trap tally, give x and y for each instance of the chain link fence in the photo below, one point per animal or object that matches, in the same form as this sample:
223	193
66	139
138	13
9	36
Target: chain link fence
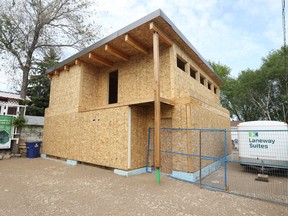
256	167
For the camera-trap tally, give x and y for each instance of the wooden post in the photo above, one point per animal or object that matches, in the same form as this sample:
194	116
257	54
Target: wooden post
157	106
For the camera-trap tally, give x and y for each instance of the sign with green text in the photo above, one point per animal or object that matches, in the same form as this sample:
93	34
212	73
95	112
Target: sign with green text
5	131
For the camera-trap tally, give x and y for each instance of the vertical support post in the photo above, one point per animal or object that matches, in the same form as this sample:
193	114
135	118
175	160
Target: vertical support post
129	138
200	157
157	108
225	161
148	151
189	137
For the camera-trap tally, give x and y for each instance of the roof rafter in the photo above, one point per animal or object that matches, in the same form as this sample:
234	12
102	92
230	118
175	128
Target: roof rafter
162	36
136	44
66	67
116	52
100	60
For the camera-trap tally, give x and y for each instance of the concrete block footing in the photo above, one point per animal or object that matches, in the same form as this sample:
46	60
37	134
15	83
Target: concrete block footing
131	172
72	162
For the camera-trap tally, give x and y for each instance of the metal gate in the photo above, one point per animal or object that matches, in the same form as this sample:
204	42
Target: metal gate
209	158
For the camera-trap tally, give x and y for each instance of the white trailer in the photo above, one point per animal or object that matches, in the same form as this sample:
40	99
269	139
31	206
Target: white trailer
263	143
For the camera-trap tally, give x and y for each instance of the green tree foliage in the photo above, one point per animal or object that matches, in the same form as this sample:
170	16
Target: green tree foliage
260	94
29	27
228	95
39	85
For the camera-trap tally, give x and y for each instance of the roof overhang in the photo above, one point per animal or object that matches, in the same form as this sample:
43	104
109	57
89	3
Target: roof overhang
131	40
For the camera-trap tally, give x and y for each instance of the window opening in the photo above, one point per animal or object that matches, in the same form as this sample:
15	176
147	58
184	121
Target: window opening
113	87
181	64
193	72
209	85
202	80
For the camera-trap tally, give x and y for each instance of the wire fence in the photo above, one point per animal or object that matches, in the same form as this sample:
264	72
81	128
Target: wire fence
255	165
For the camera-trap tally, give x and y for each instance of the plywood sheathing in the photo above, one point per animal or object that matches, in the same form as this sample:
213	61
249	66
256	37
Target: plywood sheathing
186	86
98	137
201	116
64	92
139	134
94	88
135	81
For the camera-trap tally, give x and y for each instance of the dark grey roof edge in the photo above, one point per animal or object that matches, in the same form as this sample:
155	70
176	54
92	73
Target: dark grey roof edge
126	29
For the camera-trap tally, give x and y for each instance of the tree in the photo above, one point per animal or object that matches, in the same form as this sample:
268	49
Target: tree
260	94
227	94
29	27
39	85
233	95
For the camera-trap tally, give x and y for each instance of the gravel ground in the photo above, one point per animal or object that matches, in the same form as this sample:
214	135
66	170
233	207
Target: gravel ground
49	187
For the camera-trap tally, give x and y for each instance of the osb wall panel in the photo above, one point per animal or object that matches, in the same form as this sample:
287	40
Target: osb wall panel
94	88
196	114
64	92
139	135
135	78
187	86
99	137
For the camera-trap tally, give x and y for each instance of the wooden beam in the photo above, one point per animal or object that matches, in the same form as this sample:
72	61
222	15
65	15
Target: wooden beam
162	36
116	52
100	60
50	76
66	67
157	104
78	62
57	72
136	44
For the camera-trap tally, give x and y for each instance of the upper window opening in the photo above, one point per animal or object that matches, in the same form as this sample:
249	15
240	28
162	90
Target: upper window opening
113	87
181	64
209	85
215	90
202	80
193	72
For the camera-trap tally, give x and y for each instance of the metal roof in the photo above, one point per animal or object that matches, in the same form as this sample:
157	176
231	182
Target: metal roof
148	18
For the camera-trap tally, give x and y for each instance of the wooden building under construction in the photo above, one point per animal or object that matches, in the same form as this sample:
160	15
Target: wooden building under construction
104	98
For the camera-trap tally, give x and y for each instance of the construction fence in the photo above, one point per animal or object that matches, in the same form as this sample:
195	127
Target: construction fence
255	165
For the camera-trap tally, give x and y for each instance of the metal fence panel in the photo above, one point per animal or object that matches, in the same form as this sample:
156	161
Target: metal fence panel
255	167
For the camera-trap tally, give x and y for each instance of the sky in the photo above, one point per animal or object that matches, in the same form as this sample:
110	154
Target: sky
237	33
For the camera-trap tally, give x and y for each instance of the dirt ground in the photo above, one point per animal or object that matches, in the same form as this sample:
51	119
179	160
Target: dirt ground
49	187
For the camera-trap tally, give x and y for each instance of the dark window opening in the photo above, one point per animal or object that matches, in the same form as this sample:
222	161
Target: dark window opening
193	73
209	85
113	87
202	80
12	111
181	64
215	90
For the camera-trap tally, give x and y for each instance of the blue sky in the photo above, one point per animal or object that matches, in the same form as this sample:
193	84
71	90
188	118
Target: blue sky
238	33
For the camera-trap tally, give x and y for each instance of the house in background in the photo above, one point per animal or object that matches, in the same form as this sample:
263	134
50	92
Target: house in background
9	108
33	131
102	98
